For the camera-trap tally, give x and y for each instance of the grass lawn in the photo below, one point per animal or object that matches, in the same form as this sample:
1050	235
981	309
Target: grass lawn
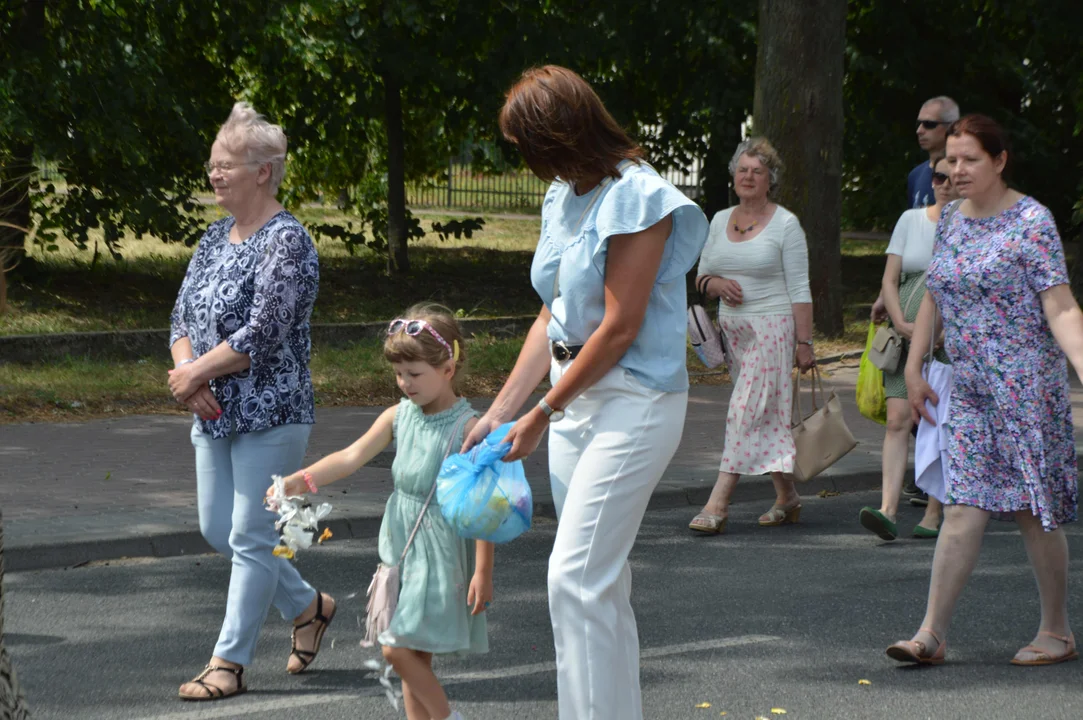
485	276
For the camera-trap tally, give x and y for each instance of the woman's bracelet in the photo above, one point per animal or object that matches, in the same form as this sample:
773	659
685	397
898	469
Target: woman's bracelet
185	361
307	477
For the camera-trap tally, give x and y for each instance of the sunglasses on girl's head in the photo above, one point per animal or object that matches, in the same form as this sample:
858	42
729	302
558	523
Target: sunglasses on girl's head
932	124
413	328
939	178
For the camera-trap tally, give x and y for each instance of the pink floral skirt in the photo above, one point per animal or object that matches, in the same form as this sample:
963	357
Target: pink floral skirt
760	350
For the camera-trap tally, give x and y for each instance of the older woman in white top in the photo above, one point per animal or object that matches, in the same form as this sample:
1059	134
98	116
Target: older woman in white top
756	264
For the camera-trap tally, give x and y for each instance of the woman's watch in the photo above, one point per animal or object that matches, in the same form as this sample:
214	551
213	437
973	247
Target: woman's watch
805	342
549	412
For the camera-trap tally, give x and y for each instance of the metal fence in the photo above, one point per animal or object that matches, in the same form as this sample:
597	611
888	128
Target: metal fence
460	187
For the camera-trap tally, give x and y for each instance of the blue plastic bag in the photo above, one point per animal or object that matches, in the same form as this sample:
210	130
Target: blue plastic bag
483	497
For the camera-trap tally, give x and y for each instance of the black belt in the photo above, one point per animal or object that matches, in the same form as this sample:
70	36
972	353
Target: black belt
562	351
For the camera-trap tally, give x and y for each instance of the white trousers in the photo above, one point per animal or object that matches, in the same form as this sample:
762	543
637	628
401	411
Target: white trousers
605	458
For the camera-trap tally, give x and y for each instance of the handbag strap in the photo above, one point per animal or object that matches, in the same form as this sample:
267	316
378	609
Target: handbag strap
451	444
929	351
814	380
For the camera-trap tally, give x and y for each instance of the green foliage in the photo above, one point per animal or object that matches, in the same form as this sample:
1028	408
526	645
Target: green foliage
1013	61
124	97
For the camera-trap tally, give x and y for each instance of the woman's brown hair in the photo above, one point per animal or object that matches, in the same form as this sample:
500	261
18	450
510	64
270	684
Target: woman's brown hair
562	128
423	347
990	135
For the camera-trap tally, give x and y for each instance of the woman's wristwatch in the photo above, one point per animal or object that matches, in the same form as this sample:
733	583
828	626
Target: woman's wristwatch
805	342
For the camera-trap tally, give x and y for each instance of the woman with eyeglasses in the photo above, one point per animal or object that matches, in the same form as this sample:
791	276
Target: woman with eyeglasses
240	344
755	264
902	288
616	243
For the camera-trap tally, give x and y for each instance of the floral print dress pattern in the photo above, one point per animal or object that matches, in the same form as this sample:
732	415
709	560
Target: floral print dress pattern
1011	443
257	296
760	351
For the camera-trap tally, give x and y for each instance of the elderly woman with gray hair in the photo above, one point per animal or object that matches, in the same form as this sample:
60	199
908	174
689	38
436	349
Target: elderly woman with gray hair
756	264
240	344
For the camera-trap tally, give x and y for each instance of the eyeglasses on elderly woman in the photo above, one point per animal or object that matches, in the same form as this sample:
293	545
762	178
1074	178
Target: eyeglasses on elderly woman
225	166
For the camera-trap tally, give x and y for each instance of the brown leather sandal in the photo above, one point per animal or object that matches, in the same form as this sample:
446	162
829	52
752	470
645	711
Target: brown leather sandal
306	657
913	651
213	692
1043	656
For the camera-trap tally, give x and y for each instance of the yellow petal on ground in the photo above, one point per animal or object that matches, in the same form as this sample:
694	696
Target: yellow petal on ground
703	706
283	551
778	711
327	535
722	713
864	682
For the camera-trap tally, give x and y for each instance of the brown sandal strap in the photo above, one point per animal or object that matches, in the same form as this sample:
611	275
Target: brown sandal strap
214	691
318	617
306	657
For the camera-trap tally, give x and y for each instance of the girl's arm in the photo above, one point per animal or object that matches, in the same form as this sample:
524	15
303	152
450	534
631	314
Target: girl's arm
347	461
481	585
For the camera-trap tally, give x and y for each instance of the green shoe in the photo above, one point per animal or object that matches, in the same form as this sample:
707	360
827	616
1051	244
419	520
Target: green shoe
925	533
876	522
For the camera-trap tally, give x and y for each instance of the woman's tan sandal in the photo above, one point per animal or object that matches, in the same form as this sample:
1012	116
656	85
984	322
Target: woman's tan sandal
708	524
306	657
1042	657
211	691
915	651
781	516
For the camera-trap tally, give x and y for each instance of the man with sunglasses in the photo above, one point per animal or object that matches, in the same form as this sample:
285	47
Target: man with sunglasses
934	119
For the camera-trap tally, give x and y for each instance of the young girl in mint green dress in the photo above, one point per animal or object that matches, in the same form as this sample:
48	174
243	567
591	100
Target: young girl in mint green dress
446	581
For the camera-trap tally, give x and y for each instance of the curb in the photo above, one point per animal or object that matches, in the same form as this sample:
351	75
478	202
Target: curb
175	544
138	344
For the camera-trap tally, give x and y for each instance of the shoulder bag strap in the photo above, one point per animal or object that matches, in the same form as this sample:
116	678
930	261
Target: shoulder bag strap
455	432
928	358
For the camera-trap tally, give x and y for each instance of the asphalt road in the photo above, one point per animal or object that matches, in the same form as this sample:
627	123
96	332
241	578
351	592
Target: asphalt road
787	618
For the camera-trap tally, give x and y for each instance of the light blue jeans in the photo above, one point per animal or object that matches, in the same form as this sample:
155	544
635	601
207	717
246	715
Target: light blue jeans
232	477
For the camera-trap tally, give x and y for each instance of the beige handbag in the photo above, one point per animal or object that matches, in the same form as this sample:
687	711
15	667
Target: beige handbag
822	438
886	349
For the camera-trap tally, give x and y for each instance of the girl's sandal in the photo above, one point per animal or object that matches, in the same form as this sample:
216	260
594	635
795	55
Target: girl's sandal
914	651
214	692
709	524
778	515
306	657
1043	657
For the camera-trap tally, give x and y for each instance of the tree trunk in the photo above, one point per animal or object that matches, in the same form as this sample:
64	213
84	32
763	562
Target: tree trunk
798	106
12	702
397	259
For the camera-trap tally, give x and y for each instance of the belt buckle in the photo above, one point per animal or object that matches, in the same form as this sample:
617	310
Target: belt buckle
560	351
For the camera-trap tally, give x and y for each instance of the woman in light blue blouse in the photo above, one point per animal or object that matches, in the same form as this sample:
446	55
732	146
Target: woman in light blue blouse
240	343
616	243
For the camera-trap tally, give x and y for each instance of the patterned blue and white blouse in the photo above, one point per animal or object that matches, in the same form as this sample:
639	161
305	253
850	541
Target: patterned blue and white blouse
257	296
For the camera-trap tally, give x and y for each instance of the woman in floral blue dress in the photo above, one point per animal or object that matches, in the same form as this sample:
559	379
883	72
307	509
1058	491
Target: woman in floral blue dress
999	285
